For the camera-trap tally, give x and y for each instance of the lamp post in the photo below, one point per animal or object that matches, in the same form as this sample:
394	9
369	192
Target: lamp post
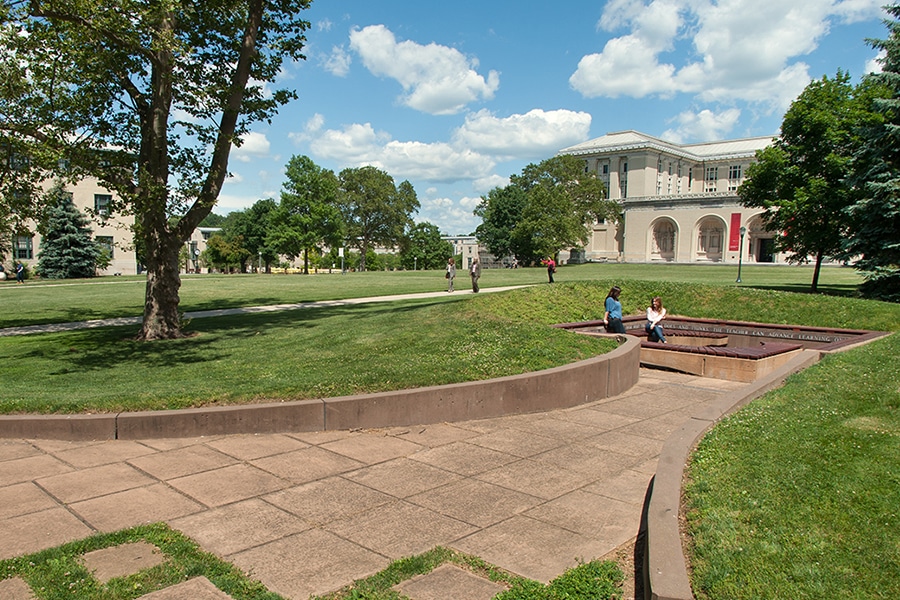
259	267
741	253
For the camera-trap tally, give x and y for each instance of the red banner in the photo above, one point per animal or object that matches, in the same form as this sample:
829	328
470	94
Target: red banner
734	237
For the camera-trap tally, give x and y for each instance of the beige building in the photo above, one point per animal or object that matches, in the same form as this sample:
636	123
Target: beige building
115	233
679	201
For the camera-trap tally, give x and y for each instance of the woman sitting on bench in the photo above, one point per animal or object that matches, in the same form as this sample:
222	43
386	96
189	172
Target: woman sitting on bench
655	313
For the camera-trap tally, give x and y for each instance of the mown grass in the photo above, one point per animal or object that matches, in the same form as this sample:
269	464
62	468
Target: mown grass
60	574
797	495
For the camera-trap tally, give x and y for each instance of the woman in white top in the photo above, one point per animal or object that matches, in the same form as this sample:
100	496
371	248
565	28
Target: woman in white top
655	313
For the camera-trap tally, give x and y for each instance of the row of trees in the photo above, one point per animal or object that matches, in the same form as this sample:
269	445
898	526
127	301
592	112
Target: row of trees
359	208
830	184
549	207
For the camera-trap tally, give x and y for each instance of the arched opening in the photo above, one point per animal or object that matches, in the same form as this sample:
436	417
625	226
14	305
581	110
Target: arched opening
710	239
662	240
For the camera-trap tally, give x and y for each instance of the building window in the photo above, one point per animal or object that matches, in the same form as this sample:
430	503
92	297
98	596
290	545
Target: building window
712	177
623	181
23	248
101	204
605	170
734	177
106	243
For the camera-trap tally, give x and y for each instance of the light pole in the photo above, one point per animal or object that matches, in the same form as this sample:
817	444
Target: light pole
741	254
259	268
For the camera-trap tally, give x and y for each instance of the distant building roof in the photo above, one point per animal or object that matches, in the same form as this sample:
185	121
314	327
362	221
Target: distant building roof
629	141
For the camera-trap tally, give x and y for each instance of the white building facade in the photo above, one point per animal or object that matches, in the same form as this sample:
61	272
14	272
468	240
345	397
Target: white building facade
679	201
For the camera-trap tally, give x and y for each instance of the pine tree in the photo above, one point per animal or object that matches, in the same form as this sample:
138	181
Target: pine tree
67	250
875	216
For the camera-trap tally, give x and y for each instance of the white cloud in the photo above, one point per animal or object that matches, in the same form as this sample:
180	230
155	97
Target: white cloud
703	125
338	62
253	145
436	79
535	134
324	25
876	65
744	49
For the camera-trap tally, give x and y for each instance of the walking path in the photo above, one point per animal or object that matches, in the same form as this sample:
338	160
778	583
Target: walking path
307	513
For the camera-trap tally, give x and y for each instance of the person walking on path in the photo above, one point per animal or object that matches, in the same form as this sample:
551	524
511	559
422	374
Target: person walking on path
475	273
551	267
612	317
451	273
656	312
20	272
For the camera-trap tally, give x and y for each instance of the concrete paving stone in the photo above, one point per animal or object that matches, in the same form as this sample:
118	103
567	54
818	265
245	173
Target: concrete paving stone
596	418
626	443
19	470
167	444
12	449
327	500
629	407
138	506
316	438
535	478
551	426
400	529
122	560
238	527
313	562
596	517
23	498
402	477
251	446
307	464
228	484
494	423
531	548
179	462
628	486
449	582
584	459
51	446
435	434
658	427
516	442
103	453
38	531
476	502
367	447
464	458
198	588
16	589
94	482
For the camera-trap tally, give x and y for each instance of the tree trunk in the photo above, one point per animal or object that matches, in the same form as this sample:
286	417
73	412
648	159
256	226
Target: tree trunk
815	282
161	316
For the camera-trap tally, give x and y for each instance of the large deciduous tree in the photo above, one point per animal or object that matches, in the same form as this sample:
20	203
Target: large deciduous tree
800	181
146	96
550	206
875	212
308	216
423	248
376	212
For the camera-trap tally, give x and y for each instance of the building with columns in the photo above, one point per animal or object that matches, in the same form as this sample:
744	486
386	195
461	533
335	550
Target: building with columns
679	201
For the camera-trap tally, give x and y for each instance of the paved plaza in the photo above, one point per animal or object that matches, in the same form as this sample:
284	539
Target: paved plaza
307	513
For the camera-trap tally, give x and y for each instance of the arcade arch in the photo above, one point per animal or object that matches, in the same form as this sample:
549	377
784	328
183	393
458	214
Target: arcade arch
710	239
761	247
663	238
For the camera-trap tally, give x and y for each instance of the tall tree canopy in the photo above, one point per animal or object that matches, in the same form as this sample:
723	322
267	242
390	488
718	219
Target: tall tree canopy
308	216
423	248
550	206
148	97
376	212
875	212
801	180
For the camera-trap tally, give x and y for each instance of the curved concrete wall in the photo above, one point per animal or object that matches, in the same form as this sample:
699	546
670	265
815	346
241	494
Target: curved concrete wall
560	387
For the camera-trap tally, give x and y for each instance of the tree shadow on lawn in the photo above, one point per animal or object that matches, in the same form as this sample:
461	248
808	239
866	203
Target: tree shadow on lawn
839	290
210	339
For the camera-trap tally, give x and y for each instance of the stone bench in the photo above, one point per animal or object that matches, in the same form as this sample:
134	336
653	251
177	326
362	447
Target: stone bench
744	364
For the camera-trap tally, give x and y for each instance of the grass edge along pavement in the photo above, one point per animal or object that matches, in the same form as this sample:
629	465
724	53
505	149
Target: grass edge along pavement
796	494
60	573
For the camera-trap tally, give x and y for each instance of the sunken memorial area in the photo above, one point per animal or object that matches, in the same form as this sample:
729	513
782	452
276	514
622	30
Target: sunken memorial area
732	350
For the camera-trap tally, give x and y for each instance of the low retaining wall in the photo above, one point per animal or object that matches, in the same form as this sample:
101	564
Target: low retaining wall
560	387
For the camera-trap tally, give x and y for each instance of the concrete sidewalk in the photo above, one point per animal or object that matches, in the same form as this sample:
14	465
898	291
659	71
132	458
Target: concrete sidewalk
308	513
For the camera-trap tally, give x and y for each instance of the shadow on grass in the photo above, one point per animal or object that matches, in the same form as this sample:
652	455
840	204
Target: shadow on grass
838	290
211	339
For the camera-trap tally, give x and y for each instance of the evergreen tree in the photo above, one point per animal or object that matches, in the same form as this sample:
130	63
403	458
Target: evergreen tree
875	215
67	250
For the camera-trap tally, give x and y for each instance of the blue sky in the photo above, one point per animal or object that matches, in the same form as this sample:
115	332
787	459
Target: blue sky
457	96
